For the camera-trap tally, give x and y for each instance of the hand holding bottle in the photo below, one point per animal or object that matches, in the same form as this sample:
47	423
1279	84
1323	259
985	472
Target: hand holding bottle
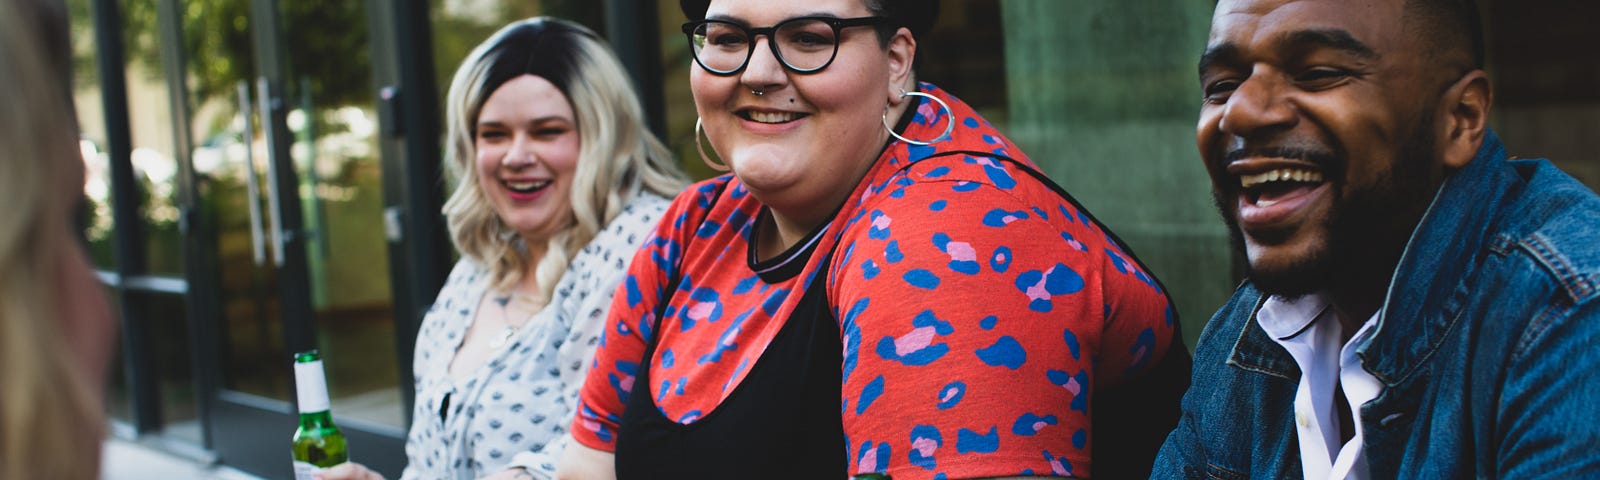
356	471
511	474
349	471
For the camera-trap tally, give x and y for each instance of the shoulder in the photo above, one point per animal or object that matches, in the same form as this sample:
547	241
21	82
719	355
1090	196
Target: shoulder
467	271
703	194
1556	221
1226	326
644	208
946	210
695	203
984	196
457	297
633	223
936	189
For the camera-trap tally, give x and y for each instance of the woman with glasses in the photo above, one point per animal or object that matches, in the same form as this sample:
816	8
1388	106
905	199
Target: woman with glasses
883	285
558	183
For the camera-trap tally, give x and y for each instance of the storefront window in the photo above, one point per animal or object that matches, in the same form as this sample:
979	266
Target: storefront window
96	214
119	396
154	156
171	358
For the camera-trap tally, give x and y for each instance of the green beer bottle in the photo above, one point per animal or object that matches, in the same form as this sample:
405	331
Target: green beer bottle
318	443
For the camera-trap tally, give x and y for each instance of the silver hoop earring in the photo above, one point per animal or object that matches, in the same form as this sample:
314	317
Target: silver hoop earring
950	122
721	167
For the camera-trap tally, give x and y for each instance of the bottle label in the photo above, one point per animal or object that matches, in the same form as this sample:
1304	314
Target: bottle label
311	385
306	471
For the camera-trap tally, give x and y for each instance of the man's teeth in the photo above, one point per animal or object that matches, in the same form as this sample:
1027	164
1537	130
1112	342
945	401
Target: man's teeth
1280	175
773	117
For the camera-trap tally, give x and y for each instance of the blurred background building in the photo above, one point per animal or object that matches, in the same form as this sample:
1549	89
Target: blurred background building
265	175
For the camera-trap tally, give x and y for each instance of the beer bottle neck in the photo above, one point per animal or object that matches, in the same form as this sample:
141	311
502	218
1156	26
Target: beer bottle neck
319	419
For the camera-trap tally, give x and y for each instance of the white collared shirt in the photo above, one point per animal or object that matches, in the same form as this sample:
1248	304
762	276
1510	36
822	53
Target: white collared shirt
1309	329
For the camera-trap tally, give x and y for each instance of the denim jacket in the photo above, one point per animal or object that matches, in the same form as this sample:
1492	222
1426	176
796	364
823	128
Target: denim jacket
1488	347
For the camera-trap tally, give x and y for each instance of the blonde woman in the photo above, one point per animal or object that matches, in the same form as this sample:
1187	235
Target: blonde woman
558	184
55	326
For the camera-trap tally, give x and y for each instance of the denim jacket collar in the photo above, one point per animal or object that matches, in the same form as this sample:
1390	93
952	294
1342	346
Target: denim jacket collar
1444	247
1254	350
1431	282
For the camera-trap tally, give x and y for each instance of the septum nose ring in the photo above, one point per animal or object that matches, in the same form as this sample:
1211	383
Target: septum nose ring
757	92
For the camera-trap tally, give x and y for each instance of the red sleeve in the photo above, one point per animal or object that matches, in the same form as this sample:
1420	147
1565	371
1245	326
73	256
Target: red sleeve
971	329
630	322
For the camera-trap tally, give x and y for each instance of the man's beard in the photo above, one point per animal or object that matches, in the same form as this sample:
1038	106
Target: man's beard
1365	231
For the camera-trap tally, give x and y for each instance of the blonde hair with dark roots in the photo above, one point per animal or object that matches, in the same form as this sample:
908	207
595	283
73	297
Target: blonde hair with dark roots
51	424
618	156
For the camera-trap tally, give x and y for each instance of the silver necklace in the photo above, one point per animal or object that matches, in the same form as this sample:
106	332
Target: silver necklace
501	339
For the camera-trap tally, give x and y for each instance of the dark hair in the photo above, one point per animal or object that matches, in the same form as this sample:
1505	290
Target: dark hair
541	47
915	15
1448	27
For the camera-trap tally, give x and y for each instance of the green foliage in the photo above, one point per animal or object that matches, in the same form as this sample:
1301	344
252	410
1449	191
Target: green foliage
312	31
216	45
218	50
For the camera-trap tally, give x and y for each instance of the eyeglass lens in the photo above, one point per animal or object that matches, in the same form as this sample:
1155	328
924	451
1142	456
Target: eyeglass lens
803	44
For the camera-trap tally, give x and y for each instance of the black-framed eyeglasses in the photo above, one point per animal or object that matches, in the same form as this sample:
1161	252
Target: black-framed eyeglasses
801	44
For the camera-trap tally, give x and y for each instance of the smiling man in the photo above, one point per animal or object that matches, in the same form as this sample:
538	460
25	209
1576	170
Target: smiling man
1418	304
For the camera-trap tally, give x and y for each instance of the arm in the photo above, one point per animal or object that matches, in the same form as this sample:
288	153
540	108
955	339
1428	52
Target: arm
1182	445
579	462
629	328
968	341
1548	417
356	471
629	240
432	354
599	272
1183	449
610	381
349	471
575	357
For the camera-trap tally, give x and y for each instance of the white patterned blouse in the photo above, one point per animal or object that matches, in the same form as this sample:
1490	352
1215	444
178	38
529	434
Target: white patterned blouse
515	409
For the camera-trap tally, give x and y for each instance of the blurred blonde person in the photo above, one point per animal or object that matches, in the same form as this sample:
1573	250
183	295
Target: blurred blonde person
558	183
55	327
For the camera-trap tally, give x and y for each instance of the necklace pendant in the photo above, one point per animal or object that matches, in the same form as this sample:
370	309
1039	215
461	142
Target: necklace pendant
501	339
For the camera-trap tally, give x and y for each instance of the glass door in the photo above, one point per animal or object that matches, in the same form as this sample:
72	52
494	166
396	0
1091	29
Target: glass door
289	161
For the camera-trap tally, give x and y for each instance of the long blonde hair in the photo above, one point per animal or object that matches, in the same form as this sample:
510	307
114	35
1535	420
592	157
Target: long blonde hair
618	157
50	416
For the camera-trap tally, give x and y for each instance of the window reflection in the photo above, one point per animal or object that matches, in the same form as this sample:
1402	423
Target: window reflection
119	399
166	318
92	131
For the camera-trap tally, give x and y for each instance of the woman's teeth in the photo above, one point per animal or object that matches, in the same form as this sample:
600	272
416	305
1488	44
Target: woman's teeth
772	117
1280	175
525	186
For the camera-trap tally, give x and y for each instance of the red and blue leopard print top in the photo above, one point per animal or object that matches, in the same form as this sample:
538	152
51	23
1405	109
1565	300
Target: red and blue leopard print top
978	310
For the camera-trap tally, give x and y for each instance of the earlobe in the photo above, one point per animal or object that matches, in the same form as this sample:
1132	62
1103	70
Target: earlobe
1467	118
901	51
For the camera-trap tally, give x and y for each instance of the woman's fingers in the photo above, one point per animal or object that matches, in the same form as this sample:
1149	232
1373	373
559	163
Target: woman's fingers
349	471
